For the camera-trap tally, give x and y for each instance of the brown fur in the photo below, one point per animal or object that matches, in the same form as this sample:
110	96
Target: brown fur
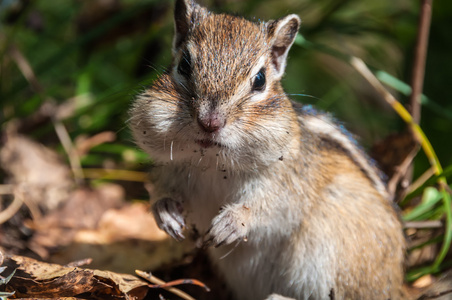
293	203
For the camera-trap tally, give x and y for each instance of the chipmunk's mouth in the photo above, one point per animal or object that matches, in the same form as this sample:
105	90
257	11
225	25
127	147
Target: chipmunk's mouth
207	143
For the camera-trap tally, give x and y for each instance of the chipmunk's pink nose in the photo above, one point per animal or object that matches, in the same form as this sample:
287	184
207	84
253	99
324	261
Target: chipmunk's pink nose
211	122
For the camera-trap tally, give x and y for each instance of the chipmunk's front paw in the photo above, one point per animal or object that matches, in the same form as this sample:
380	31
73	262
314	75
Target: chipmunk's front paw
168	215
228	226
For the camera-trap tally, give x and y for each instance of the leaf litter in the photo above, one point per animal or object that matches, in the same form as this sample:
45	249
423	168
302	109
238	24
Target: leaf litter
58	221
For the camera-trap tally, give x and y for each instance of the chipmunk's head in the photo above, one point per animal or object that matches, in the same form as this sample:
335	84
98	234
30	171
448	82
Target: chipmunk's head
222	96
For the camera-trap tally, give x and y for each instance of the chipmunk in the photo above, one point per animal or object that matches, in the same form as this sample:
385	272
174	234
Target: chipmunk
289	204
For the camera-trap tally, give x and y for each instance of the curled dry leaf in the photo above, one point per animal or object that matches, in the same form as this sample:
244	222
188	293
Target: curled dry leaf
35	279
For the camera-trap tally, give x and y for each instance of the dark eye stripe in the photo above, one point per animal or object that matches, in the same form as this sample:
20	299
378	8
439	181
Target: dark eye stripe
184	67
259	81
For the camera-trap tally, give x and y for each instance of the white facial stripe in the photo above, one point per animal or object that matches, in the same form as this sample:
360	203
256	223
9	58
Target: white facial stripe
260	96
245	87
260	64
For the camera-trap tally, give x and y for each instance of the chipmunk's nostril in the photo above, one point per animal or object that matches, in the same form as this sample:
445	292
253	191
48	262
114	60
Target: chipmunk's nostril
211	122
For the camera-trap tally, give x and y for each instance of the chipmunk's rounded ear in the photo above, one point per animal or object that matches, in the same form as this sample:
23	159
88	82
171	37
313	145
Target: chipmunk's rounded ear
186	14
282	33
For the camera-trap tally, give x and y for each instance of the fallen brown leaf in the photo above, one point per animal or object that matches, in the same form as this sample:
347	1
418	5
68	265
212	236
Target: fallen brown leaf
132	221
81	211
43	280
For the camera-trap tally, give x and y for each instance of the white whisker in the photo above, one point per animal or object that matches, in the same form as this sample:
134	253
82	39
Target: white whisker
199	161
230	251
171	151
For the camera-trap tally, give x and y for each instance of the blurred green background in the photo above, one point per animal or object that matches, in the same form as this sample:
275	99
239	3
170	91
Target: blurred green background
98	54
83	61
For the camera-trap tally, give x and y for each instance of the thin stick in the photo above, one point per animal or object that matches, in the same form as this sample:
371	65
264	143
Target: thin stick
6	189
418	72
401	170
26	69
115	174
11	210
420	181
61	131
435	296
423	224
19	193
155	280
66	142
417	76
419	134
79	263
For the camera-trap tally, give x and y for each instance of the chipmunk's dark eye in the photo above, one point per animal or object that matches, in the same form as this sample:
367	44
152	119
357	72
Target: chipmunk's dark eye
184	67
259	81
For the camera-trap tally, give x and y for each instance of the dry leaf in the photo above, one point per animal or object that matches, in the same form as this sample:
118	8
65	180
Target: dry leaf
82	211
132	221
43	280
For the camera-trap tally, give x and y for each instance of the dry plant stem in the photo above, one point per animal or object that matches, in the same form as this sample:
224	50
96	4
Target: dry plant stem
435	296
361	67
155	280
420	181
11	210
423	224
73	156
19	199
27	71
125	175
85	145
418	72
79	263
417	77
401	171
6	189
25	67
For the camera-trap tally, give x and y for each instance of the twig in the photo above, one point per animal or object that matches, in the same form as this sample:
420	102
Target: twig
61	131
417	76
115	174
83	146
419	134
6	189
423	224
18	192
66	142
359	65
420	181
149	277
418	72
11	210
26	69
435	296
79	263
401	170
